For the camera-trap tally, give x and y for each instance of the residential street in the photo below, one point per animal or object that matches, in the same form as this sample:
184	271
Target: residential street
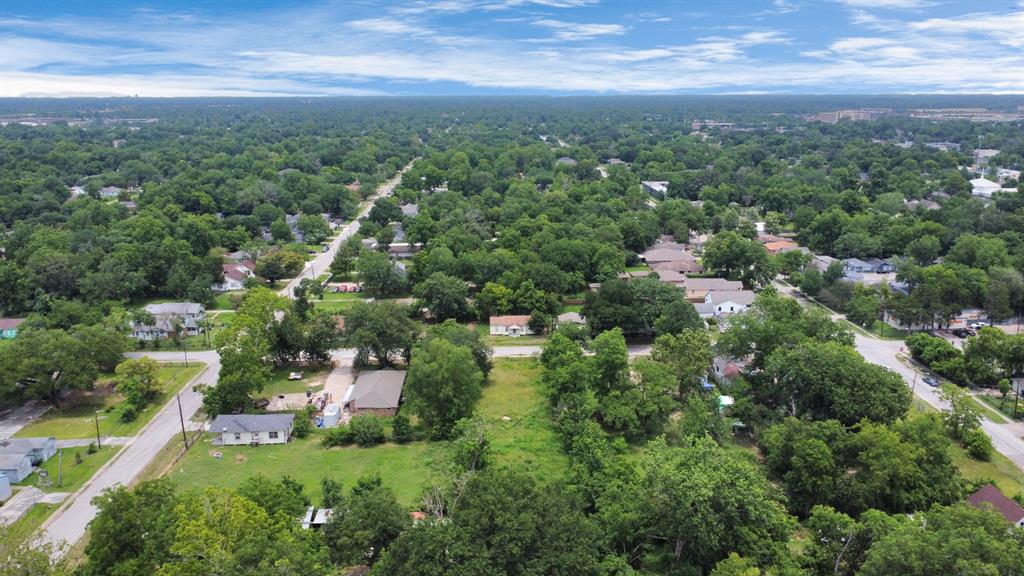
68	524
322	261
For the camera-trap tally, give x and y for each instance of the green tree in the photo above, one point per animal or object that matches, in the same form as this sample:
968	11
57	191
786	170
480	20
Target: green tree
281	232
379	329
279	265
443	385
313	227
139	381
133	530
963	413
677	317
365	524
493	300
45	362
456	333
689	354
378	274
444	296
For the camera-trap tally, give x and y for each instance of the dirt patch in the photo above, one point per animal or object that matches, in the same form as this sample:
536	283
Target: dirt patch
239	458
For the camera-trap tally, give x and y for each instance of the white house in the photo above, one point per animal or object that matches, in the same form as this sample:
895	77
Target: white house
510	326
732	301
167	316
242	429
235	276
656	187
110	192
984	188
16	467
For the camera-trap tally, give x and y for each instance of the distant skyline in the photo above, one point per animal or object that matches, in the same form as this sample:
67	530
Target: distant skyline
466	47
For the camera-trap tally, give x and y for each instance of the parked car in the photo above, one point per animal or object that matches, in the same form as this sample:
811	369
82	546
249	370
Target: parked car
931	381
295	375
963	332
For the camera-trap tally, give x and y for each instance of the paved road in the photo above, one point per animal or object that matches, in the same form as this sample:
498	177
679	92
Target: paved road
17	418
322	262
1006	438
69	523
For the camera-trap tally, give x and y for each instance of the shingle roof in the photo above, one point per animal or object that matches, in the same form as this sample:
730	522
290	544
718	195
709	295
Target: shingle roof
178	308
745	297
509	320
712	284
24	445
989	494
378	389
252	422
10	323
12	461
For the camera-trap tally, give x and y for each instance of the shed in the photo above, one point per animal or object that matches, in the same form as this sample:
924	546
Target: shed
16	467
377	392
5	487
332	415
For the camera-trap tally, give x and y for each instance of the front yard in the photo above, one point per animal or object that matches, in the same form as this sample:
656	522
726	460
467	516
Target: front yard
518	426
77	416
74	475
485	333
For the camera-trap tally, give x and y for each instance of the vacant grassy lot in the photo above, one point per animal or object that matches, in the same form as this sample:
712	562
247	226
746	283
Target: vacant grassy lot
280	384
75	475
75	418
524	438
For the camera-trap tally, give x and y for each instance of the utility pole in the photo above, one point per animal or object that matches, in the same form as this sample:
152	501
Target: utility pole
96	418
913	386
181	416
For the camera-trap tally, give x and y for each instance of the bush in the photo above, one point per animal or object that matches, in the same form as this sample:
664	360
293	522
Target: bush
303	423
337	437
366	430
978	444
129	414
401	429
91	449
78	457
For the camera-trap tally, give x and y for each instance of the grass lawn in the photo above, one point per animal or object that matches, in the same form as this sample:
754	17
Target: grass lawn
279	383
991	411
525	438
25	526
74	419
75	475
222	301
886	331
577	308
637	268
340	296
1003	407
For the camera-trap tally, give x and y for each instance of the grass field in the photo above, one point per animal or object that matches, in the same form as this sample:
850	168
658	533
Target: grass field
25	526
997	404
74	475
279	383
75	419
991	410
525	438
222	301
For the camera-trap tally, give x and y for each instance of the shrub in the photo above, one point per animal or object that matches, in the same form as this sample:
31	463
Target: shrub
978	444
366	430
91	449
78	457
401	429
339	436
129	414
303	423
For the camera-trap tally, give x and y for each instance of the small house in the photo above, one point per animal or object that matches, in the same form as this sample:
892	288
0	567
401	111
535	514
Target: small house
38	450
712	284
410	210
254	429
570	318
315	518
510	325
376	392
732	301
683	265
9	328
780	246
16	467
656	187
5	487
984	188
110	192
235	276
988	496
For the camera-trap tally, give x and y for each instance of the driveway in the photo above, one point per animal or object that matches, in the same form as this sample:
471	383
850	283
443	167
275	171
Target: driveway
16	418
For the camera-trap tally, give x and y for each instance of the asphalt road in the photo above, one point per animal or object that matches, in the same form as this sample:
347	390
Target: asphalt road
69	523
322	261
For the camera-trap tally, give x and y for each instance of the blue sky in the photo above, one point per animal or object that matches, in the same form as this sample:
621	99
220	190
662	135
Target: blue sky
364	47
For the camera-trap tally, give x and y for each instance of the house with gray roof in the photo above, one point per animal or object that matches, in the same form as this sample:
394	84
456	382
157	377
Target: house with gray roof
254	429
376	392
167	316
16	467
38	450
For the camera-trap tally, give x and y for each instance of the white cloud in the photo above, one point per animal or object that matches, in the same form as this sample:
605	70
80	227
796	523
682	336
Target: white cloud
384	26
580	31
1006	29
889	4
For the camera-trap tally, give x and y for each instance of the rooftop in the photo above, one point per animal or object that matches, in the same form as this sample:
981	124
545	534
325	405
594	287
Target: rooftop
10	323
378	388
252	422
520	320
989	494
